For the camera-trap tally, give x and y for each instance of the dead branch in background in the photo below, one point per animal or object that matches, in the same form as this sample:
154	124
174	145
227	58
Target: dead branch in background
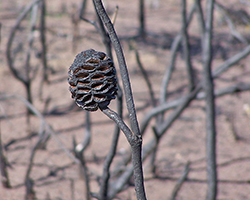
142	11
79	151
43	40
180	181
11	38
200	16
83	169
29	183
26	77
3	166
230	24
144	74
82	9
43	124
174	49
0	32
186	47
77	12
167	76
27	67
208	87
216	73
42	29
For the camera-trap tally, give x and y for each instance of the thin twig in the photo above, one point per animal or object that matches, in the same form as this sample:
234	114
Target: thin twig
11	38
186	47
115	15
186	101
231	61
28	79
30	193
87	136
144	74
230	24
3	166
200	16
0	33
231	122
174	48
208	87
180	181
79	153
43	40
82	9
142	28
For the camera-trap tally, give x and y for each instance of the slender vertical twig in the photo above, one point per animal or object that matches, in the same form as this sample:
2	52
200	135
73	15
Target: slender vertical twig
34	14
180	181
79	154
167	76
0	33
29	183
174	48
82	8
87	136
43	39
200	16
11	38
142	29
144	74
186	47
3	166
25	78
208	87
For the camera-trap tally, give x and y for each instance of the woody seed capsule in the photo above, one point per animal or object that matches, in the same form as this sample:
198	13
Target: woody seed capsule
92	80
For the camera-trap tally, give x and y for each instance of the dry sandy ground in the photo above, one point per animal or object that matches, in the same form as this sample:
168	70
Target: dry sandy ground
55	175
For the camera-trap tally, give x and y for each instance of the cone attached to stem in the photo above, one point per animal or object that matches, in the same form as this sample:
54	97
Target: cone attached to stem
92	80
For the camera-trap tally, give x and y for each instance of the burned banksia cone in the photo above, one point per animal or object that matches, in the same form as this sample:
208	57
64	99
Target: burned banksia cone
92	79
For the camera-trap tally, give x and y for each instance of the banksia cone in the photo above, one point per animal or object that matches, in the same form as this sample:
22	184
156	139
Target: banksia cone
92	80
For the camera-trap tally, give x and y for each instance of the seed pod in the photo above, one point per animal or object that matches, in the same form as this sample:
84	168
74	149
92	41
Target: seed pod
92	80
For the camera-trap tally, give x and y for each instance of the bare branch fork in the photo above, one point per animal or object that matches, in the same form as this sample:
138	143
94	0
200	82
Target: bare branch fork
134	136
